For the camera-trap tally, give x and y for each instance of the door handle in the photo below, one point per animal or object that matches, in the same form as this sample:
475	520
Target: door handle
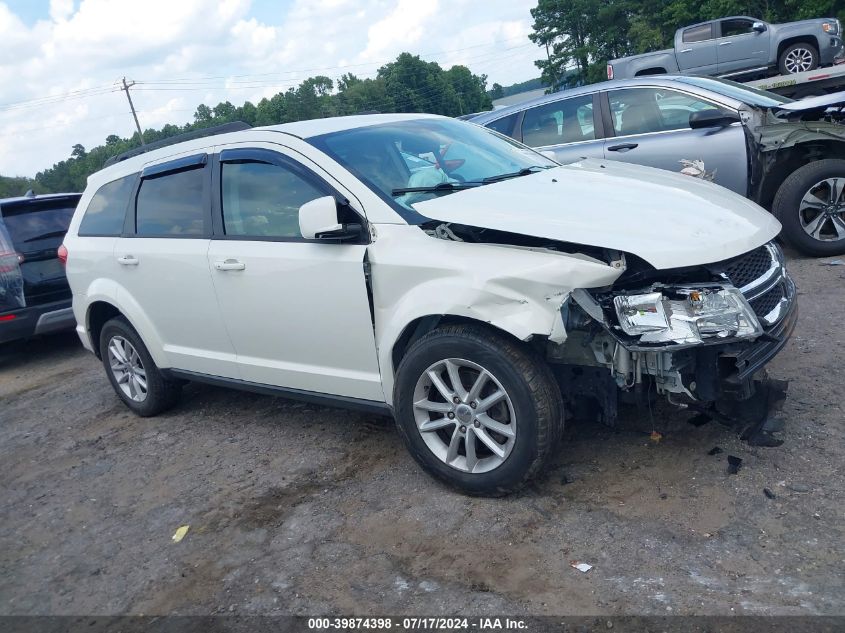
724	43
229	264
686	50
624	147
127	260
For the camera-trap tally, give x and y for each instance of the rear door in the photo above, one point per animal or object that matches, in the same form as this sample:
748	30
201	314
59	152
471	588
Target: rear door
740	47
163	277
37	228
696	52
651	127
567	127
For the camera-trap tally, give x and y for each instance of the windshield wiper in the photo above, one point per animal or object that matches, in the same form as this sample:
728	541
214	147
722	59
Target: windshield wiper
45	236
442	186
525	171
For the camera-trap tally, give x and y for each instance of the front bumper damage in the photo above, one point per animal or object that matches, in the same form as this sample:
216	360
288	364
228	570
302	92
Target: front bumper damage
601	362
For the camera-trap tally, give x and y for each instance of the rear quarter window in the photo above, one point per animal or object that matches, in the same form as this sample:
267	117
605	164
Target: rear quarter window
106	212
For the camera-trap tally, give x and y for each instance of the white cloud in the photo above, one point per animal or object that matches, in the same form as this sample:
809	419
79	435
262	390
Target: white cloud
186	52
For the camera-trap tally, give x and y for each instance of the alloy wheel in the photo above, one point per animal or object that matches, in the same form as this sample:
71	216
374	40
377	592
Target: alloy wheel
127	368
798	60
822	210
464	415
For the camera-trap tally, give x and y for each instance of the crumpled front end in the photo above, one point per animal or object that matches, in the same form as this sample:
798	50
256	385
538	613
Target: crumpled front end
699	334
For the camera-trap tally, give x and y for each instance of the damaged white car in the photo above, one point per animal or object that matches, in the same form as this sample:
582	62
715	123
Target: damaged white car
429	269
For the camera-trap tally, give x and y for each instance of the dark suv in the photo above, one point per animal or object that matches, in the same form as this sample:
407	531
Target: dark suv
34	294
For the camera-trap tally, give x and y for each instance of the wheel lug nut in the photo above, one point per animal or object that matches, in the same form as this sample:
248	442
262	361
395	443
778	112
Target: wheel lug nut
450	415
463	429
456	400
476	424
473	404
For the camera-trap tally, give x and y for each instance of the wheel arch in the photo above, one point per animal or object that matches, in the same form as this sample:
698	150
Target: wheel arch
798	39
788	160
101	308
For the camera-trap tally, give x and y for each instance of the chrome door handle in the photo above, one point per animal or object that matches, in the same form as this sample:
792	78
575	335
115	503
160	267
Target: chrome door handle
229	264
128	260
686	50
724	43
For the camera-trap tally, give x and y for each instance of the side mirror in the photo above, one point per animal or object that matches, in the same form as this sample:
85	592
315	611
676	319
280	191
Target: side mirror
712	118
318	220
759	27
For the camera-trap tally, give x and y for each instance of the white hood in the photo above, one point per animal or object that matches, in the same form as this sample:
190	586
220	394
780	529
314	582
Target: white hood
667	219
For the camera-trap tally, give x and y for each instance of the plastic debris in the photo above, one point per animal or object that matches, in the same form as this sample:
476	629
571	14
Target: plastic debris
582	567
734	464
655	436
769	494
834	262
714	451
180	533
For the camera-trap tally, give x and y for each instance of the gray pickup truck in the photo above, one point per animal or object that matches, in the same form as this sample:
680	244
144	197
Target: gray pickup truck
737	46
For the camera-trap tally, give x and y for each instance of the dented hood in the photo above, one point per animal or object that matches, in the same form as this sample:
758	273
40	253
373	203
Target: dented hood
667	219
813	103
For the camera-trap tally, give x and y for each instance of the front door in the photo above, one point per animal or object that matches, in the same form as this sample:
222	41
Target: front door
651	127
297	310
162	272
740	47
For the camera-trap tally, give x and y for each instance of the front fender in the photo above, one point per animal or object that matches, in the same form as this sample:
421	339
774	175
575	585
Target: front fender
517	290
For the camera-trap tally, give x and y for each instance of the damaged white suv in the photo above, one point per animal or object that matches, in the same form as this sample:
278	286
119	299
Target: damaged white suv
426	268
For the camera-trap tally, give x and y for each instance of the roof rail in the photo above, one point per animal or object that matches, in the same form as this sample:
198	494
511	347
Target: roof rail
234	126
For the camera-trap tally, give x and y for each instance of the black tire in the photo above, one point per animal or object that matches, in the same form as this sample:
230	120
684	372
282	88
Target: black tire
161	393
799	46
787	203
525	377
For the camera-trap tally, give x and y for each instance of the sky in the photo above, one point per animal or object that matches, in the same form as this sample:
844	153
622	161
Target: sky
61	60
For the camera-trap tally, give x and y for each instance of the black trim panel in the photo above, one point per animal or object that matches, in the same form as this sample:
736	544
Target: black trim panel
186	162
343	402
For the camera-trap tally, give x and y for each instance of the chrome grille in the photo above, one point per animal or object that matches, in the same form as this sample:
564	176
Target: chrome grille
749	267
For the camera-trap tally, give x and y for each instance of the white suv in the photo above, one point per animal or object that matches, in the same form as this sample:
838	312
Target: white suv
425	268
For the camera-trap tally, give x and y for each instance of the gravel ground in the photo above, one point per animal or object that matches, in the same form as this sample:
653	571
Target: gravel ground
306	510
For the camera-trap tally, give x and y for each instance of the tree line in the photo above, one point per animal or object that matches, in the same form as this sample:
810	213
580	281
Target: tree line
584	34
408	84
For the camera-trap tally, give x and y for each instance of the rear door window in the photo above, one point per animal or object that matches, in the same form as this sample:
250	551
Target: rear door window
559	122
700	33
172	205
107	210
34	222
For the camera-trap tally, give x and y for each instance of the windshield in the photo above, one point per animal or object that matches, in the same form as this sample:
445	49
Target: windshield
431	156
737	91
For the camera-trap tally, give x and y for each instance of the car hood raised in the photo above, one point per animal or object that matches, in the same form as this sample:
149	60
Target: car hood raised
669	220
822	102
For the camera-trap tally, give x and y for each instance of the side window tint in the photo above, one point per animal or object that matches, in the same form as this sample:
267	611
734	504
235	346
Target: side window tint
504	125
172	204
736	26
107	209
644	110
700	33
263	200
566	121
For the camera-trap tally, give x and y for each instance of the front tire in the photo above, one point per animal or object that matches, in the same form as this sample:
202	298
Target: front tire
798	58
132	371
810	205
477	410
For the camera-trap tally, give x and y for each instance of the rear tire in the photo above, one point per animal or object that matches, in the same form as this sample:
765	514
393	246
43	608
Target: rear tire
526	422
132	372
797	58
795	206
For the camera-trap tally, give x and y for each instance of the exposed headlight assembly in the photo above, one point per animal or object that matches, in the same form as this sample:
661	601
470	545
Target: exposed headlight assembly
831	27
688	315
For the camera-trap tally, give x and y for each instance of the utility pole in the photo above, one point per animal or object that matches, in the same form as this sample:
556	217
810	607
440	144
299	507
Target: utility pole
125	88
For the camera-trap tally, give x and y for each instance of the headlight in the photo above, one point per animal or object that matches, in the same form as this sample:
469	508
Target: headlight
831	27
686	315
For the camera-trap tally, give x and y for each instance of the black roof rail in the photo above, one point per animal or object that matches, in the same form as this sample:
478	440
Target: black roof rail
234	126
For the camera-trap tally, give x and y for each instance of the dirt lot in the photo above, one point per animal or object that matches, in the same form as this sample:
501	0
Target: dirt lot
300	509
